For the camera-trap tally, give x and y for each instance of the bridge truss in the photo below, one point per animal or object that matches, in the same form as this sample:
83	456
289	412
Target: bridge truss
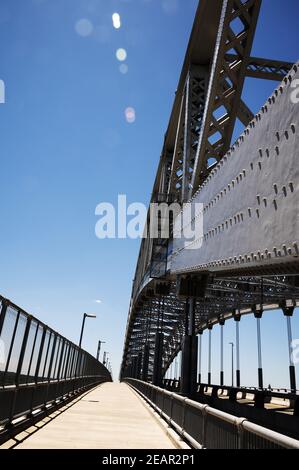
176	296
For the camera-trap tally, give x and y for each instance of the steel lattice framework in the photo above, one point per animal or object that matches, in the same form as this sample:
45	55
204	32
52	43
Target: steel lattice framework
207	105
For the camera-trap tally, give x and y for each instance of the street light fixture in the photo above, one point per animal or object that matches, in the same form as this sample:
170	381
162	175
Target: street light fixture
86	315
232	345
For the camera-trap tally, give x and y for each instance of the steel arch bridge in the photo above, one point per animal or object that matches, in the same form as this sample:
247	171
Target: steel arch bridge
246	259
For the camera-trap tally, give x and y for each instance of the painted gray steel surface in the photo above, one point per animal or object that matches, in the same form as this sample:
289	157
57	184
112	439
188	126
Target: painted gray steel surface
251	198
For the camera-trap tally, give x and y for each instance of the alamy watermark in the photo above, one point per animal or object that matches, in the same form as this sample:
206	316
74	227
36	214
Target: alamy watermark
161	221
295	92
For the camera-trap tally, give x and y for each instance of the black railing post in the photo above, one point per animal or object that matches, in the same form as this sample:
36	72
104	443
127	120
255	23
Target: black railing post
51	365
11	346
40	354
23	349
3	313
19	366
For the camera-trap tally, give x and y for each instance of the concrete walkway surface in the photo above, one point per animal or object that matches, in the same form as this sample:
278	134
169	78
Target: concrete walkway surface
108	417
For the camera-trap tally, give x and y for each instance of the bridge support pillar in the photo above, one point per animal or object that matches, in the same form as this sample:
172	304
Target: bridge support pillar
135	367
145	362
199	355
288	313
258	313
139	365
157	371
189	352
210	356
221	322
189	369
238	373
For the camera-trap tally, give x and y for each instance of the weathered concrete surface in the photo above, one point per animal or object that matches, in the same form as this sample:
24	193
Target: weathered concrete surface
109	417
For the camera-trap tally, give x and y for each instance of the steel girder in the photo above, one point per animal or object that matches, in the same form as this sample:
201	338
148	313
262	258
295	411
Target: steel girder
216	132
207	104
224	298
265	69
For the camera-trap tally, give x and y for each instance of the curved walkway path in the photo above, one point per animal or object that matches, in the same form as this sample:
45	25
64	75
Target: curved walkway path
110	416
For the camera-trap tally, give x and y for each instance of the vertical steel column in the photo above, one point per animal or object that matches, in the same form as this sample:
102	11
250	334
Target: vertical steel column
288	313
145	362
210	357
238	374
189	352
200	333
258	313
176	368
221	322
139	365
157	371
233	373
135	367
159	344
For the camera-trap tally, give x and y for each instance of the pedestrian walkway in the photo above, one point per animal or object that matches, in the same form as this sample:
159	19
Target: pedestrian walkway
111	416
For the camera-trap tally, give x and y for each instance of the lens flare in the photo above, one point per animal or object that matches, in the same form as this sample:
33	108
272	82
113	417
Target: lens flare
121	54
84	27
116	20
123	68
130	115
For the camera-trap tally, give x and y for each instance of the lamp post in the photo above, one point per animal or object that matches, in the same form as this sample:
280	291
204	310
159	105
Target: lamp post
86	315
99	348
232	345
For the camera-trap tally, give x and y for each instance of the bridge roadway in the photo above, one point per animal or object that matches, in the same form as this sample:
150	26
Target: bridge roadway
111	416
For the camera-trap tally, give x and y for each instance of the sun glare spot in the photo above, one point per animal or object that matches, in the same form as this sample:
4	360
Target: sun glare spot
130	115
123	68
116	20
121	54
84	27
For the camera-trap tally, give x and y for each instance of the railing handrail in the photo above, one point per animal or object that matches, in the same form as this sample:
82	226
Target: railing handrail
40	368
241	424
40	323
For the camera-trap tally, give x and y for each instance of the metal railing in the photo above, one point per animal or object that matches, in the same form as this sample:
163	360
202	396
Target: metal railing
260	397
207	428
38	367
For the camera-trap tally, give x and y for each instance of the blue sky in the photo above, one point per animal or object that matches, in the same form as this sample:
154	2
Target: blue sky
66	146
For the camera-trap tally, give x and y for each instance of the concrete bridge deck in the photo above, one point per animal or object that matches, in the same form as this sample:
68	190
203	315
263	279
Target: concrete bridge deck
110	416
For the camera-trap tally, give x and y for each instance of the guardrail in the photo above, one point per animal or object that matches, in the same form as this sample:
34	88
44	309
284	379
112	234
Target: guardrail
260	397
207	428
38	368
